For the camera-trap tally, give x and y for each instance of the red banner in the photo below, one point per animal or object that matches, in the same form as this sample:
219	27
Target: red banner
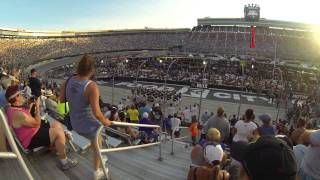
253	34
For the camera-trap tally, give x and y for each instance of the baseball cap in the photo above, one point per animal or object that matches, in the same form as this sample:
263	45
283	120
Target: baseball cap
145	115
113	108
268	158
213	154
157	105
265	117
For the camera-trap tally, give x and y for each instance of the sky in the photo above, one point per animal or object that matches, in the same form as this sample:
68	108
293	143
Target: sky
57	15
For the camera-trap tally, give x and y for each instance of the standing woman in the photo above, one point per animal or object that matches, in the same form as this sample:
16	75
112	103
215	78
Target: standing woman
85	113
245	129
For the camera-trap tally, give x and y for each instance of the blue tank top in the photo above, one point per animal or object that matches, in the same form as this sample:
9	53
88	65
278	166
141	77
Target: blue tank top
82	118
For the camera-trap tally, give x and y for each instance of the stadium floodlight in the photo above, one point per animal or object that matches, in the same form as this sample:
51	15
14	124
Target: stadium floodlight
204	62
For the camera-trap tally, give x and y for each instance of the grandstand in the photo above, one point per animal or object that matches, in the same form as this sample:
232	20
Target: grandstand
234	60
274	39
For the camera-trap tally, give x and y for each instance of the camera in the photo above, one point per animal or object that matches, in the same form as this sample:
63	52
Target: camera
33	98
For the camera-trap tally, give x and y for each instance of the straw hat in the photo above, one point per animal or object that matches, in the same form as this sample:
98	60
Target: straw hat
48	93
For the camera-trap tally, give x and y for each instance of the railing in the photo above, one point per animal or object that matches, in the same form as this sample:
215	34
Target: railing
16	153
100	151
173	139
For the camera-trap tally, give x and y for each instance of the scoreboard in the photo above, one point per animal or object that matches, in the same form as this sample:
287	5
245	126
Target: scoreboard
251	12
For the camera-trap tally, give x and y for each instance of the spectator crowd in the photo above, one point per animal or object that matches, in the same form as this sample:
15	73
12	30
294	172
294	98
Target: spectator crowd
246	147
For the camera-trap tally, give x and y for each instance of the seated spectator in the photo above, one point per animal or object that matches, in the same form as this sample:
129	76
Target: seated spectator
62	108
32	132
51	101
128	130
143	108
112	114
148	134
267	158
266	128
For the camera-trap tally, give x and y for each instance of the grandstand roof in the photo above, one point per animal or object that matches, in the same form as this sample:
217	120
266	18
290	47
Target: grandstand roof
28	33
262	23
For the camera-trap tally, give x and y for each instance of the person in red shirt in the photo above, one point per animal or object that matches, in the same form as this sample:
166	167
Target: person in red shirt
194	131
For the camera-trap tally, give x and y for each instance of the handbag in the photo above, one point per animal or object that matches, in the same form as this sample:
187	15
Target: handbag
66	118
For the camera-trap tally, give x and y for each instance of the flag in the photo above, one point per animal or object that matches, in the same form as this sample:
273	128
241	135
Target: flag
253	34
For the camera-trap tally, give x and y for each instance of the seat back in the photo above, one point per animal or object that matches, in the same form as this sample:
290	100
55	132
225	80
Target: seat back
26	151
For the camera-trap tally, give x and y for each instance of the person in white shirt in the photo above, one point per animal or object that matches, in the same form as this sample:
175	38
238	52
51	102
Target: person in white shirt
175	124
246	128
187	115
310	163
194	111
171	110
120	106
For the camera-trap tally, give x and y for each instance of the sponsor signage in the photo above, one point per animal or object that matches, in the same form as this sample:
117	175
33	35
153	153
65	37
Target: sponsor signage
212	94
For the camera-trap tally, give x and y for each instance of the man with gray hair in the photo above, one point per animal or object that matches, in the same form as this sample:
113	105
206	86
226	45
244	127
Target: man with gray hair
219	122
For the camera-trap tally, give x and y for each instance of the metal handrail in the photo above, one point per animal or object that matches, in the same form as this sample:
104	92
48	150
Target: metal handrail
13	146
174	139
100	151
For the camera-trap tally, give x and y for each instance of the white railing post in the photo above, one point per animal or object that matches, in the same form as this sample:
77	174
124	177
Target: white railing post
160	148
98	134
174	139
13	146
100	151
